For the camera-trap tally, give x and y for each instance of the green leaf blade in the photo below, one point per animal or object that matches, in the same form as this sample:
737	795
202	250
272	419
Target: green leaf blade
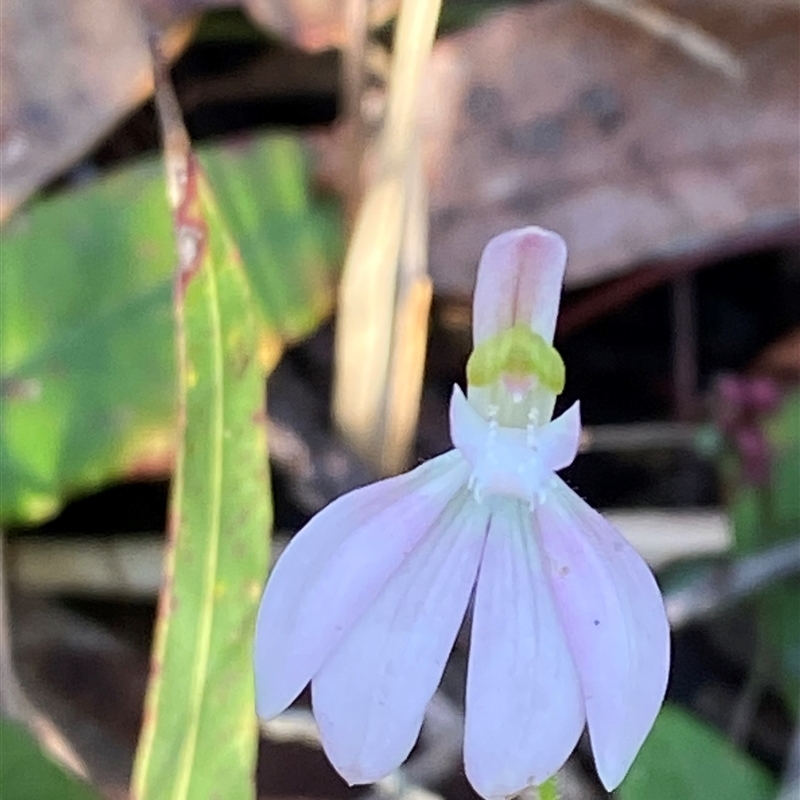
685	758
86	323
200	733
26	772
766	515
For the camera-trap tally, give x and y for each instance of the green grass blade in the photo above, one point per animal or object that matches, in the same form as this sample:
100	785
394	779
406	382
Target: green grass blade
199	733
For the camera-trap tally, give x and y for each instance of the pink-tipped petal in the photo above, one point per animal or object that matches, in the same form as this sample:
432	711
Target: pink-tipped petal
616	625
524	710
519	280
370	696
335	567
557	442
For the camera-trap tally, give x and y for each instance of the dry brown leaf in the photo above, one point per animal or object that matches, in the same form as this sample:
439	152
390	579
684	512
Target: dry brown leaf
564	116
70	69
781	359
313	24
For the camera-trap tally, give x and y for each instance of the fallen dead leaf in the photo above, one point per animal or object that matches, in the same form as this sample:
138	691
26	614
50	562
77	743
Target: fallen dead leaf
70	69
564	116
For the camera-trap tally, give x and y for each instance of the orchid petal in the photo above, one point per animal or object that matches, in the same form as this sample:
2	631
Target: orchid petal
557	442
369	697
514	462
524	710
616	625
335	567
468	429
519	280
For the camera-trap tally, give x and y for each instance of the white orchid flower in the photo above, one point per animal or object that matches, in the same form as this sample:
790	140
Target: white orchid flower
569	627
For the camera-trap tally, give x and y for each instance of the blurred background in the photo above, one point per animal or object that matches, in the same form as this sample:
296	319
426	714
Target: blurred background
661	139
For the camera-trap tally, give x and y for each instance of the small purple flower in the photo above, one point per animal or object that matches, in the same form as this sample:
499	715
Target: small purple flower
741	405
569	626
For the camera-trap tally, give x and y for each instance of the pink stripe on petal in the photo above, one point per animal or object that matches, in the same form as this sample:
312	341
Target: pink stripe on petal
335	567
616	625
519	280
524	710
370	696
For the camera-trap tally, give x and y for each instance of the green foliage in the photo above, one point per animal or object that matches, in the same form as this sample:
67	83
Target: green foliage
548	790
764	516
288	244
684	758
86	331
27	773
199	733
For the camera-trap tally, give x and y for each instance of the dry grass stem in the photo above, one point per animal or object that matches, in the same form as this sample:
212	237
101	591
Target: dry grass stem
685	35
373	288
